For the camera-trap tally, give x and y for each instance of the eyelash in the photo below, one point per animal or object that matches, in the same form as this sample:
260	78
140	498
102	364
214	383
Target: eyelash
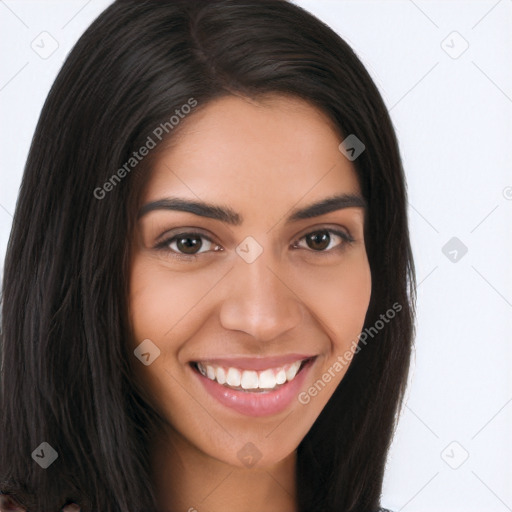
347	239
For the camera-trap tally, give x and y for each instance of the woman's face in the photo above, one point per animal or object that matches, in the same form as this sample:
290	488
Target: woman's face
247	295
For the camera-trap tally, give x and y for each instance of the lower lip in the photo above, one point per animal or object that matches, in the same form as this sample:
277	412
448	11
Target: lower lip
257	404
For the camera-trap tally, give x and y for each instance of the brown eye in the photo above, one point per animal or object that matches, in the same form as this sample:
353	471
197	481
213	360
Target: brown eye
325	240
318	241
189	244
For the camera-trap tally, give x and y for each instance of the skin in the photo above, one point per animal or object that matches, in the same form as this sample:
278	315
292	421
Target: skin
262	159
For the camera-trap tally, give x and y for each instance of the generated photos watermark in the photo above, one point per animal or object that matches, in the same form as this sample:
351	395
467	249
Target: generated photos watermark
156	136
344	360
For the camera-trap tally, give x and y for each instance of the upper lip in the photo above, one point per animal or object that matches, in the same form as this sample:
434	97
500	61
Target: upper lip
254	363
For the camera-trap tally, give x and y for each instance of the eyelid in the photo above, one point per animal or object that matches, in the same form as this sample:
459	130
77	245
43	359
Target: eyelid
173	233
338	230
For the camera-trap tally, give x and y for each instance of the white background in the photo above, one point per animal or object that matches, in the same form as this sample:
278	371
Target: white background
453	116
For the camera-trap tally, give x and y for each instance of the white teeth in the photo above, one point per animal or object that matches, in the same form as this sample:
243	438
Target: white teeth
233	377
292	370
281	377
250	379
210	372
220	375
267	379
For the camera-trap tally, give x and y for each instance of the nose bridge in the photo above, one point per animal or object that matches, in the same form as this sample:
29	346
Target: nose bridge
258	300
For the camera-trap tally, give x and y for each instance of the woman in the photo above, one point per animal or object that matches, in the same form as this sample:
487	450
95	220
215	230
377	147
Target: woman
211	253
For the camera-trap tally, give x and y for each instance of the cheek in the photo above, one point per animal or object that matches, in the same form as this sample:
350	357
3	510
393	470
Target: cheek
162	305
339	297
163	302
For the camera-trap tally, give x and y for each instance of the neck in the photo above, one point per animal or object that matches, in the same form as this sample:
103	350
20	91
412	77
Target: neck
188	480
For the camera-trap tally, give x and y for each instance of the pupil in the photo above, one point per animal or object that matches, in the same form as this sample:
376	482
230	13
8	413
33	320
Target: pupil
318	241
188	244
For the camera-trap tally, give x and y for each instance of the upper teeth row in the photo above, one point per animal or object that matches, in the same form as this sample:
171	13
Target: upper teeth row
250	379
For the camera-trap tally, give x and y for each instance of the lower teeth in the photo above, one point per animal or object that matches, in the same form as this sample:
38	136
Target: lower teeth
254	390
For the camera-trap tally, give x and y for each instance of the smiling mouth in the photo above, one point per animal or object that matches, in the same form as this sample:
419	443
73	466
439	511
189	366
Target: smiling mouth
251	381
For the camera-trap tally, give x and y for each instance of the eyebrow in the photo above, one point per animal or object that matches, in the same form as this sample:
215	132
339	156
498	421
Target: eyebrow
229	216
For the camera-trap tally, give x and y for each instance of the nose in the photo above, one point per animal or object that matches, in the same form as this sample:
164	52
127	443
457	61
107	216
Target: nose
259	301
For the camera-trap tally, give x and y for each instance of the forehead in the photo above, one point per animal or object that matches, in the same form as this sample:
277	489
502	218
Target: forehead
268	152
